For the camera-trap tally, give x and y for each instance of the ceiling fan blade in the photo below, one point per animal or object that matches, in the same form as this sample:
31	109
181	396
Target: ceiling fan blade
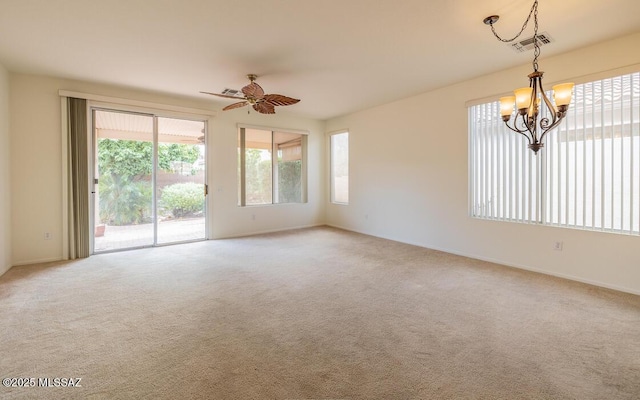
264	108
226	96
253	90
279	100
235	105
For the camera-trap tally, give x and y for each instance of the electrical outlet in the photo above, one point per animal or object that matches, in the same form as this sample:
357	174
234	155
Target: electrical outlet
47	236
557	246
253	217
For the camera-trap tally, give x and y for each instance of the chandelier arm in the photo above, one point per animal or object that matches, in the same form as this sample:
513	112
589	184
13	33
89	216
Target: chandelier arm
530	126
533	111
545	125
517	130
551	108
550	127
527	137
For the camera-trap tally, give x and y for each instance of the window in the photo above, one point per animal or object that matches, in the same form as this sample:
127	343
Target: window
587	176
340	167
271	167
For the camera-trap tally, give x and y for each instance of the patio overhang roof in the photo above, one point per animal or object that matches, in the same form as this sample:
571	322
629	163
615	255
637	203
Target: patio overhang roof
127	126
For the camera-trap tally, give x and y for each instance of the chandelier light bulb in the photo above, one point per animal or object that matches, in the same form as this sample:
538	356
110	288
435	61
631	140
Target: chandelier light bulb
562	94
523	98
506	106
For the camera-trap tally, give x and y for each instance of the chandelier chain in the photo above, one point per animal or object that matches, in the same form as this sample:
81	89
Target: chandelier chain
536	45
534	12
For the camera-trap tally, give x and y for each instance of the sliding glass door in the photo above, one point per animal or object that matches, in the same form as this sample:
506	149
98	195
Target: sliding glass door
149	180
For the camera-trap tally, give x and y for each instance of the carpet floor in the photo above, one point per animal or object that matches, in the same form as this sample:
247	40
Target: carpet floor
315	313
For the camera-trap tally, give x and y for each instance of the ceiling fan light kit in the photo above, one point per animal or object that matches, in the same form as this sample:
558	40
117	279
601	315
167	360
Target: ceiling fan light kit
528	100
254	96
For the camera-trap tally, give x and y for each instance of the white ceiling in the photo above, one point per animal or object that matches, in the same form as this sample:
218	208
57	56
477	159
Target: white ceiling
338	56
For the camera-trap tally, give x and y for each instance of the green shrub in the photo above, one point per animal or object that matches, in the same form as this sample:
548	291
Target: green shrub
124	202
290	181
183	199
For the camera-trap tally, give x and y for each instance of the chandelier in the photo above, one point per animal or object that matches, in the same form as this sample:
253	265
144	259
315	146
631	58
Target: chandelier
528	101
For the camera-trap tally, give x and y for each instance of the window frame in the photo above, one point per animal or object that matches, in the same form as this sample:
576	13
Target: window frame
241	168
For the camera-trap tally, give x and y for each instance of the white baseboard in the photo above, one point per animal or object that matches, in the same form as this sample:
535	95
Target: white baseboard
506	264
37	261
551	273
253	233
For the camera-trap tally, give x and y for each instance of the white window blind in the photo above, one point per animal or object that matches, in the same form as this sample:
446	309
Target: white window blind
339	167
588	174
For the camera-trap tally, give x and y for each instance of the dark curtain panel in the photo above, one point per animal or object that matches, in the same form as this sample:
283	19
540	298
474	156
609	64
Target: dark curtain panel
78	179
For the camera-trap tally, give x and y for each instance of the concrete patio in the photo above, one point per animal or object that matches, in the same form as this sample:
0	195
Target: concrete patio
169	231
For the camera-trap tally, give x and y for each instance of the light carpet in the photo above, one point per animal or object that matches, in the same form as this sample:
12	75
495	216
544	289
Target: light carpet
315	313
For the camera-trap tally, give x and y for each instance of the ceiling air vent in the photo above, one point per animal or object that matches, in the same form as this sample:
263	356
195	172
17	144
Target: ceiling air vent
230	92
527	44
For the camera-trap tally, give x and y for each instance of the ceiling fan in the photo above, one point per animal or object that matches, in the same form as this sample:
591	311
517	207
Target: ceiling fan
254	95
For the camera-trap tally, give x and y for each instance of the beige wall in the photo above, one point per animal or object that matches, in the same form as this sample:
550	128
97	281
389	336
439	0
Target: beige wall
36	154
5	177
408	177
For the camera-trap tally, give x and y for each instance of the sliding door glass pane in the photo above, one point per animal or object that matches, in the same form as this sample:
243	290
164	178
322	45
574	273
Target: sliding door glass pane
180	180
124	196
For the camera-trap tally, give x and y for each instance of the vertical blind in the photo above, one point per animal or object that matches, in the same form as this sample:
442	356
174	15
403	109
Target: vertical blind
78	177
588	174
